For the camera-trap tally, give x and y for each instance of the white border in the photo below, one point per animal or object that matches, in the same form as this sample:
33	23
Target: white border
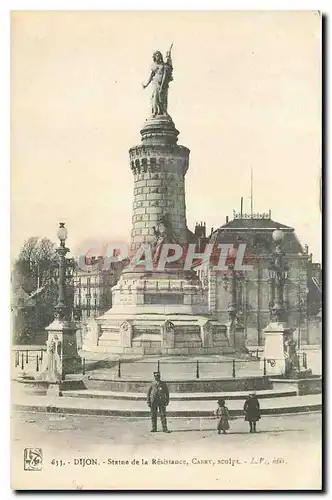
6	6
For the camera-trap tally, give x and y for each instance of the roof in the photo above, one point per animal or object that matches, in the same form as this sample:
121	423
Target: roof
256	233
250	223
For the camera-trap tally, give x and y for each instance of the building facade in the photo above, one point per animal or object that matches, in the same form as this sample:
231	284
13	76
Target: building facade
254	289
93	288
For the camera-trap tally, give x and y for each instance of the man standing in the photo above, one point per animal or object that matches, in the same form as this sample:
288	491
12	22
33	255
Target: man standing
158	398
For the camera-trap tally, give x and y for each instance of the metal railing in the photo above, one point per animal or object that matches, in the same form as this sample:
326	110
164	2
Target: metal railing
31	360
193	369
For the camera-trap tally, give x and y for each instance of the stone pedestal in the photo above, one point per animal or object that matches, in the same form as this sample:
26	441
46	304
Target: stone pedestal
276	354
61	357
159	313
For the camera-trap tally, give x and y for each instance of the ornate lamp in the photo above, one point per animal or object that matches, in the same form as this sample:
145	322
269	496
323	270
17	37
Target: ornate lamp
62	352
62	250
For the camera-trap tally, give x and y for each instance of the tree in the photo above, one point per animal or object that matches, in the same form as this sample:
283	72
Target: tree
36	263
34	273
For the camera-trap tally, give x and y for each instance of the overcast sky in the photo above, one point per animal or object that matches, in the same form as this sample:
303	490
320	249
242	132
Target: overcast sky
246	94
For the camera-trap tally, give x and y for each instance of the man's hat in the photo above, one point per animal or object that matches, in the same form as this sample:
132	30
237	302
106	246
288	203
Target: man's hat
156	373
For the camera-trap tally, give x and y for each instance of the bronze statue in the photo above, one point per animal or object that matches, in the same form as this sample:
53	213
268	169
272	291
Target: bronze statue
160	76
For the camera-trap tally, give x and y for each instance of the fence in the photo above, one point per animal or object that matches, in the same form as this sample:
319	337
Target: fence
31	361
28	359
190	369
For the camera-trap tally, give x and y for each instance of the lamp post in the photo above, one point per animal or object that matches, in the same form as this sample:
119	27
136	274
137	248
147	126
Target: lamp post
235	324
278	271
61	307
278	349
62	357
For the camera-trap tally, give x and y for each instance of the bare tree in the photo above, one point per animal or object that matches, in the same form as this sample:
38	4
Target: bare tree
36	263
34	271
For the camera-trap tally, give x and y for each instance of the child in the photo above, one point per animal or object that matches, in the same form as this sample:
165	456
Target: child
222	413
252	411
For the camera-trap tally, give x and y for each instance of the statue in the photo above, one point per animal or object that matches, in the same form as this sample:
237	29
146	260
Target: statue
51	364
160	76
162	235
291	357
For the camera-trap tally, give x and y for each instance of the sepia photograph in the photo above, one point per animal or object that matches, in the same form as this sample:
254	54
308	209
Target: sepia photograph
166	250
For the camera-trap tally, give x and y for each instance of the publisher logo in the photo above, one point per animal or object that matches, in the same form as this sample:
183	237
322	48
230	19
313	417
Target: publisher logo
33	459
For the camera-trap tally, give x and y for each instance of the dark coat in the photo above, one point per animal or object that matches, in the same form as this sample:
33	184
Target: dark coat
252	409
158	394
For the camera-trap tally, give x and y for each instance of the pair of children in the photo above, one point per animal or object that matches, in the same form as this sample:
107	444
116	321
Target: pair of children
251	409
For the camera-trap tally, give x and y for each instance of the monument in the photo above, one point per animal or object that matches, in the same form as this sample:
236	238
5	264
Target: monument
159	310
279	350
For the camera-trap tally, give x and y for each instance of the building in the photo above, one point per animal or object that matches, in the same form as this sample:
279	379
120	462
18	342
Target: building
93	288
302	296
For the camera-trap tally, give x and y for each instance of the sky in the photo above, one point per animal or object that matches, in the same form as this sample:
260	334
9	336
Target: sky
246	95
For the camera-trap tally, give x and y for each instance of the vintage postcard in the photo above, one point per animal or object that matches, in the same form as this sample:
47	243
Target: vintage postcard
166	297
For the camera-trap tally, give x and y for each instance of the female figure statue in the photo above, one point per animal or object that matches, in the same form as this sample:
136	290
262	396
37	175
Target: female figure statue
160	76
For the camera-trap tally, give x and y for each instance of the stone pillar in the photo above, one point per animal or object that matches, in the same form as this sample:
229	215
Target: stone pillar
63	333
276	357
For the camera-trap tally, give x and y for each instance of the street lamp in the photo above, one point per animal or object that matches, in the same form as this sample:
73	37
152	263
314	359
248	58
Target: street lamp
61	309
278	272
62	357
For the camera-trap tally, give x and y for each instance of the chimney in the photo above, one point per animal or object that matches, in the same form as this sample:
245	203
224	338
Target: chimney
226	219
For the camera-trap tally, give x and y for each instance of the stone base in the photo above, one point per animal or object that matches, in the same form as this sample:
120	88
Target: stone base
96	382
30	386
160	334
302	386
66	358
276	362
158	313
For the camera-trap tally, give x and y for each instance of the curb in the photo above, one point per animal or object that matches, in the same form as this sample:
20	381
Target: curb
117	396
146	413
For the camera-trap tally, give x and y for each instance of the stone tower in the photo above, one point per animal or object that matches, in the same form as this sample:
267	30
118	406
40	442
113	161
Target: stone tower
159	167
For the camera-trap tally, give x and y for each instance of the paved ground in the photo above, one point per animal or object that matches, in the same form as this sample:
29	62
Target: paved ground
267	459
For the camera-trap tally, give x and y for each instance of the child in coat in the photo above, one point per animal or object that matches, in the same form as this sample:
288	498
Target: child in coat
222	413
